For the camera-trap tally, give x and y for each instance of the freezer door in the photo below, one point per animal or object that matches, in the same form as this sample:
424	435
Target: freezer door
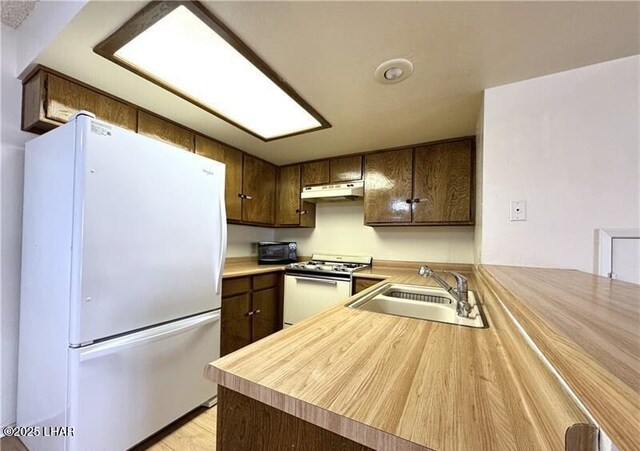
149	233
123	390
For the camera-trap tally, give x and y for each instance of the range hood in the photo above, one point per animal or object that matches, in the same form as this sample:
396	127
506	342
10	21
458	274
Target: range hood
341	191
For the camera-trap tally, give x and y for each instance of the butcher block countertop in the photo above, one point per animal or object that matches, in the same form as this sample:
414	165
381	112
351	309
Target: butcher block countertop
390	382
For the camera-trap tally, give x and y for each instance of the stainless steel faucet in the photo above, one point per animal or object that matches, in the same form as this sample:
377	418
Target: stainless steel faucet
460	293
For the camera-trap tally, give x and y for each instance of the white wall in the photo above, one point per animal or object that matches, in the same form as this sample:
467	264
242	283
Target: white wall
340	230
479	179
11	175
39	29
239	239
568	144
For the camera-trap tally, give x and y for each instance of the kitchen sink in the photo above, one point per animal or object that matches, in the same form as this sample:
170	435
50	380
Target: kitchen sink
415	301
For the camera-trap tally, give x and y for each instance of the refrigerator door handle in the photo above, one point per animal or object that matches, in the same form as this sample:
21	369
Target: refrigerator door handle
223	240
147	336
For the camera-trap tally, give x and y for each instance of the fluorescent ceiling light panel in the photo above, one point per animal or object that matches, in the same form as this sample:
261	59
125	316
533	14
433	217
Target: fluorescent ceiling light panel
186	54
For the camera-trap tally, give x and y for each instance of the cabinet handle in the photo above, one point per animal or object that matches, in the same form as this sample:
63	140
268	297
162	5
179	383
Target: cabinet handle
241	196
249	314
248	197
409	201
416	201
257	311
302	212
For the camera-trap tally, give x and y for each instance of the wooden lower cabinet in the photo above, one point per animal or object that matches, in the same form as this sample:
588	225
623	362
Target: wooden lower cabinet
235	324
251	310
265	313
360	284
247	424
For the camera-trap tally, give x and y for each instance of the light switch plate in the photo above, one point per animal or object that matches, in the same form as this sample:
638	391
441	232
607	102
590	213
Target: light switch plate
518	210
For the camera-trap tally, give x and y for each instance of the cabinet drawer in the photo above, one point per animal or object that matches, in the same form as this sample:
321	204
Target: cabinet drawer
266	280
235	286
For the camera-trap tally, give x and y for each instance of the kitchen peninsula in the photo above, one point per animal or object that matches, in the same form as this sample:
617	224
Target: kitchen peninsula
368	380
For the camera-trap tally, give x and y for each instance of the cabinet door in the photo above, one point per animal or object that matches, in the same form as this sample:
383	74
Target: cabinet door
232	159
361	284
259	189
158	128
387	186
442	181
346	169
265	313
64	98
236	323
288	208
308	214
315	173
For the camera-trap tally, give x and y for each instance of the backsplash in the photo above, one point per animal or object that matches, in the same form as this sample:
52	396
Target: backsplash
239	239
340	230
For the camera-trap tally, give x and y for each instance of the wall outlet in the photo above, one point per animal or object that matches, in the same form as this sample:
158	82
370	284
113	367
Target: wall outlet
518	210
254	248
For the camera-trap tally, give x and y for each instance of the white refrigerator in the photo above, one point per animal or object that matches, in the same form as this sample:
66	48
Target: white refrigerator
124	241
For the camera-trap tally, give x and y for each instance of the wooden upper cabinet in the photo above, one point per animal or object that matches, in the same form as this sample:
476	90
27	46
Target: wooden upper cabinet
346	169
308	214
387	179
259	191
291	210
158	128
50	100
315	173
288	208
442	180
33	100
65	98
232	158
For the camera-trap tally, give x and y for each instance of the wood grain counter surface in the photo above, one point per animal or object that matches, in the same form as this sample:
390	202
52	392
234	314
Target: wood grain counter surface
390	382
588	327
247	267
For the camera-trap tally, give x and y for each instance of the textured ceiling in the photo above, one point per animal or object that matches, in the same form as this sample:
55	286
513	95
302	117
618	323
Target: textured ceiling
328	51
15	12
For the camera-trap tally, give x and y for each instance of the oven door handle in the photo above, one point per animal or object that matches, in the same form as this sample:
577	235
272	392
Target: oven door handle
313	280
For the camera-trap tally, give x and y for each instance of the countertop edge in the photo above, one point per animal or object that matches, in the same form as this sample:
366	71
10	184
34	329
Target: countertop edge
525	317
354	430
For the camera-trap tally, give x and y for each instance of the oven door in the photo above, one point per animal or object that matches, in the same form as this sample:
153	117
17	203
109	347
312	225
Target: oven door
305	295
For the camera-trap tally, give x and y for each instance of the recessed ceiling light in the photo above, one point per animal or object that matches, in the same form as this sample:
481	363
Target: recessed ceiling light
394	71
182	47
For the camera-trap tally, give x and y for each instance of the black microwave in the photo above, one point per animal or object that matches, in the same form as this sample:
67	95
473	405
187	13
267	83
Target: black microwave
277	252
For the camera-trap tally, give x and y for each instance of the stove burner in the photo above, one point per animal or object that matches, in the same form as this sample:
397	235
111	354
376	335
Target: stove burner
326	267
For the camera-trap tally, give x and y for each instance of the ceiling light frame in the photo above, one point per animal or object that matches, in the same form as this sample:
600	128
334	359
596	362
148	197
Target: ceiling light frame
154	12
